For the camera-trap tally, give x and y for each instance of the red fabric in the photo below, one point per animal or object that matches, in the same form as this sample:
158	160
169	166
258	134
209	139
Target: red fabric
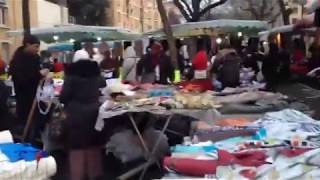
198	85
200	61
299	69
194	167
58	67
248	173
293	152
298	56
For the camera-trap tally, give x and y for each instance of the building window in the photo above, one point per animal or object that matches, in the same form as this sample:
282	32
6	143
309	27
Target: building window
3	15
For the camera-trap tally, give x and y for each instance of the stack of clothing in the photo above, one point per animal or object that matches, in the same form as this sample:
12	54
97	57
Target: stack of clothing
22	161
280	145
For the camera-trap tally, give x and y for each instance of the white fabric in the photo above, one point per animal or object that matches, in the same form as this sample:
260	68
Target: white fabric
200	74
80	54
6	137
184	52
129	64
42	170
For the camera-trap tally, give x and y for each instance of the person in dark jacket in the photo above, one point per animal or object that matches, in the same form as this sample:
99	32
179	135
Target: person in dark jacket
252	57
26	74
109	64
227	67
270	66
155	67
80	95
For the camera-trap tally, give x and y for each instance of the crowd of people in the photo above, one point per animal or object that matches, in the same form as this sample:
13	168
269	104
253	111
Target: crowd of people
85	76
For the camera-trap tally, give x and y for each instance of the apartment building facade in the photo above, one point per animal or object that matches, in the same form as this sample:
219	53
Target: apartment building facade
42	14
136	15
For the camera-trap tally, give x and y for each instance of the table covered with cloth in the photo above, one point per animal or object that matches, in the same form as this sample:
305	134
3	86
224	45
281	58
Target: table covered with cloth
205	115
279	145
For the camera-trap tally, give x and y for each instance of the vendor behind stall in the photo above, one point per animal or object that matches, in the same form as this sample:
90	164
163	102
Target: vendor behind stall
26	74
227	66
155	66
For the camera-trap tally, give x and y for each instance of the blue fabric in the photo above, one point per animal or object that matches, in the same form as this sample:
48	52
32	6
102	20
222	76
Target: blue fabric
18	152
160	92
193	149
260	135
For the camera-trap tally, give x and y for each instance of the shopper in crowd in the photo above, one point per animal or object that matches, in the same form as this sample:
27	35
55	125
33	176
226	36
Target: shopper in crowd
57	66
80	95
110	65
226	66
198	79
183	56
284	62
26	74
270	66
86	53
129	66
298	52
251	56
156	66
99	56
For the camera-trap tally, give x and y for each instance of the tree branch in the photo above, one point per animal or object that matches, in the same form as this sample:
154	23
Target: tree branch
211	6
274	18
182	10
188	8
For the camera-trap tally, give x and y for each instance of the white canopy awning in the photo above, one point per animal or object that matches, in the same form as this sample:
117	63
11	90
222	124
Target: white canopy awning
78	32
213	27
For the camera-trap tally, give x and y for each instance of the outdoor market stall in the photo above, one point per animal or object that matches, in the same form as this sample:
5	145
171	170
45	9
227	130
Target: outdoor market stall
167	101
213	28
71	33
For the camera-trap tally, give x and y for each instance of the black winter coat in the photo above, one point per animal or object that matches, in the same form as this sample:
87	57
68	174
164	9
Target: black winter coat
80	95
25	71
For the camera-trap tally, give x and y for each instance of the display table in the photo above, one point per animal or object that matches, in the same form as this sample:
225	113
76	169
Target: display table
105	114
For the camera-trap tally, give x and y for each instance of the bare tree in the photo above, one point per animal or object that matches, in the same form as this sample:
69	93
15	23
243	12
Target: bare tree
193	10
263	10
285	11
26	17
168	31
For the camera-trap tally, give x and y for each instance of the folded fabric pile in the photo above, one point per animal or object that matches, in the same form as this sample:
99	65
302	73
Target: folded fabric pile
21	161
280	145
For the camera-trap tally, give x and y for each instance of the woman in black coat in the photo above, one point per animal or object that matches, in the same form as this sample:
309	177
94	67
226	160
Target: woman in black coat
270	66
80	95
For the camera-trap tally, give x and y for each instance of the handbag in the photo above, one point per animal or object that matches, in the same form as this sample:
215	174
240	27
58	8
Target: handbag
57	126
